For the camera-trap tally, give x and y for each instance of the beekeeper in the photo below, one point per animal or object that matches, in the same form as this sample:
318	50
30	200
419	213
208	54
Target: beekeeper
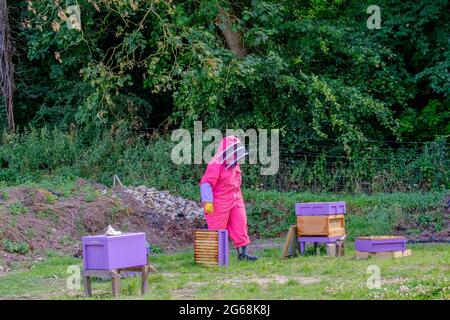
220	189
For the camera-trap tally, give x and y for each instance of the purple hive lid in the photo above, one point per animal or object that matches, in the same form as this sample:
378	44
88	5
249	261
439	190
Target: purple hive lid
320	208
112	238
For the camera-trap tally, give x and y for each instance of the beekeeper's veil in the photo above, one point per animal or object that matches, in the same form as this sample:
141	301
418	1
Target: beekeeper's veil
230	151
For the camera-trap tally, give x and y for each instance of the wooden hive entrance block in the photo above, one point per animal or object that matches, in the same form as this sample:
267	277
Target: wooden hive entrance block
326	225
211	247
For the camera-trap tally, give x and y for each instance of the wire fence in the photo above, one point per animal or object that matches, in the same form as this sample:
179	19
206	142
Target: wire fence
323	165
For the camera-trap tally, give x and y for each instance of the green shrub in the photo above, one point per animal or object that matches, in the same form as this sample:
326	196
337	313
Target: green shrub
17	208
15	247
137	161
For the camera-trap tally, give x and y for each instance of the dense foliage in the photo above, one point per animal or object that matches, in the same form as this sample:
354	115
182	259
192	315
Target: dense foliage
312	69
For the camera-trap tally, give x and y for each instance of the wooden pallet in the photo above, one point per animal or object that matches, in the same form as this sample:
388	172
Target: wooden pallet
386	254
326	226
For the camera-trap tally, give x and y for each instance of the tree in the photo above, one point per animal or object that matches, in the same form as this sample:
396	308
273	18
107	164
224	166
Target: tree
233	38
6	64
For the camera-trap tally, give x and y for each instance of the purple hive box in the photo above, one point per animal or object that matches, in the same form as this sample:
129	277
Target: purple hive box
320	208
103	252
380	244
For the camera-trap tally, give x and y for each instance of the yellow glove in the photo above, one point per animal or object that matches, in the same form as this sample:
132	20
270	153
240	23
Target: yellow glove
208	207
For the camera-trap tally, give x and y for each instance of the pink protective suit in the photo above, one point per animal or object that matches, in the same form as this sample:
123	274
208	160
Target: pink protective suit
224	180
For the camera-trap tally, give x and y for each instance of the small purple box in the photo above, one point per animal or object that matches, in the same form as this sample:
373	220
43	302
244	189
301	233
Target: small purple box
380	244
223	248
103	252
320	208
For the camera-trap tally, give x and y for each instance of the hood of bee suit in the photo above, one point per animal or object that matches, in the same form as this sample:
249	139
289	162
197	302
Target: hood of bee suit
229	152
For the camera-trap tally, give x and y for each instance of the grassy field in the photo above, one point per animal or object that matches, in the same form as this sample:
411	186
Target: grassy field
424	275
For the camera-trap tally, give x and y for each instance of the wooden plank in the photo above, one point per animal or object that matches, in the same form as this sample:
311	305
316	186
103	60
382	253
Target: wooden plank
207	262
206	252
206	234
206	259
407	252
104	274
205	243
291	245
387	254
206	240
213	236
208	248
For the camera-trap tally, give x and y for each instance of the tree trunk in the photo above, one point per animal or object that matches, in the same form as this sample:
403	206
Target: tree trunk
233	39
6	64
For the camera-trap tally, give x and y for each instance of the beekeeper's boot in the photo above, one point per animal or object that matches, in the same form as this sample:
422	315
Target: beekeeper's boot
243	255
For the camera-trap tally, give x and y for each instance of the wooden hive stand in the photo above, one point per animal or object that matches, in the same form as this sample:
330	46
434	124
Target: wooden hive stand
334	245
115	276
211	247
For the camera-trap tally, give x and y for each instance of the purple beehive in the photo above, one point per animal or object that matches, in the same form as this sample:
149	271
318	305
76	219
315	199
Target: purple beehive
103	252
320	208
380	244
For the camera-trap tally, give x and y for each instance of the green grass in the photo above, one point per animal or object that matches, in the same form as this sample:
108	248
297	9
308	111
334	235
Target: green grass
424	275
